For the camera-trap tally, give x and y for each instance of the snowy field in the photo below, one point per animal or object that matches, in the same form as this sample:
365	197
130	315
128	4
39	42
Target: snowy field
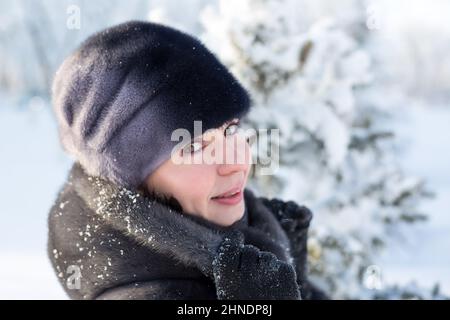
33	168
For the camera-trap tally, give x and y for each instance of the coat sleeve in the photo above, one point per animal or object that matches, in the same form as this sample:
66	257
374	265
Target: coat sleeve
161	289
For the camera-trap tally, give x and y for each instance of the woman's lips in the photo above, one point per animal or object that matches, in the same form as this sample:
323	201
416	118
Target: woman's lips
231	200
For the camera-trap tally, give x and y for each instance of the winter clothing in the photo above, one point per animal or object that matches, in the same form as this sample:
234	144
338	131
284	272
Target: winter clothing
127	245
122	93
253	271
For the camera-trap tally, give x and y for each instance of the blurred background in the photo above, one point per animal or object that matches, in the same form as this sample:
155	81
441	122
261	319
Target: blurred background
359	91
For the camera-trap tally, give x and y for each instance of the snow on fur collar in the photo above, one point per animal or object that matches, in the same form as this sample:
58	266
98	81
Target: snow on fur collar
190	240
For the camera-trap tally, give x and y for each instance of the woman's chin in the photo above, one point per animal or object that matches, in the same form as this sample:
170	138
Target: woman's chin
228	217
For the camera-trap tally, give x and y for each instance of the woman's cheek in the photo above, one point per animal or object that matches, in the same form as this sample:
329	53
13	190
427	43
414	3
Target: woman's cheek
199	185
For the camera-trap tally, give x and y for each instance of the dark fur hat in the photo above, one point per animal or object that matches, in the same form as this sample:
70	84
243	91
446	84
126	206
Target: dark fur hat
122	93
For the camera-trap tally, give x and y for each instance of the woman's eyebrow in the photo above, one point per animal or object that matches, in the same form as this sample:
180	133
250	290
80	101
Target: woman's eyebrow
229	122
202	137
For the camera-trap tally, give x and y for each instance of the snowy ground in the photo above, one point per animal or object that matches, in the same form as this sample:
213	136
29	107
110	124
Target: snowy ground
32	168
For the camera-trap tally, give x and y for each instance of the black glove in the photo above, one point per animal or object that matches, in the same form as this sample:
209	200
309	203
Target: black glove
295	220
245	272
292	216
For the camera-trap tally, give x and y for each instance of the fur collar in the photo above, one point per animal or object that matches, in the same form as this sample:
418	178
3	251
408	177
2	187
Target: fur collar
185	238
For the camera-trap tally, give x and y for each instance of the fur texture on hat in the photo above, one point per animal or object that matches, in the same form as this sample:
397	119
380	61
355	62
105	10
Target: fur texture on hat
124	90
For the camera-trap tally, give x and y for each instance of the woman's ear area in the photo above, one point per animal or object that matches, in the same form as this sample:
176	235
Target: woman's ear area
148	185
146	189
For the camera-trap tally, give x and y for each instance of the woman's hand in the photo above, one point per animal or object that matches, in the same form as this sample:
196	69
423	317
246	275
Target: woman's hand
291	216
244	272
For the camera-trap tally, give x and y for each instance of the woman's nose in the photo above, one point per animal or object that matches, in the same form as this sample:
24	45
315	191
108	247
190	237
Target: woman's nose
236	155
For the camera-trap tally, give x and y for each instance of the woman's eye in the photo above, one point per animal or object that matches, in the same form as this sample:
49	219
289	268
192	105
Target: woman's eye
231	129
193	147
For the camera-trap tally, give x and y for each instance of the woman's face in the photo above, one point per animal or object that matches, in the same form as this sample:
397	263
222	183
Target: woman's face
198	182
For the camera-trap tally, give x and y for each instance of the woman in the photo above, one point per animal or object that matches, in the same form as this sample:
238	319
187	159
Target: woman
143	216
